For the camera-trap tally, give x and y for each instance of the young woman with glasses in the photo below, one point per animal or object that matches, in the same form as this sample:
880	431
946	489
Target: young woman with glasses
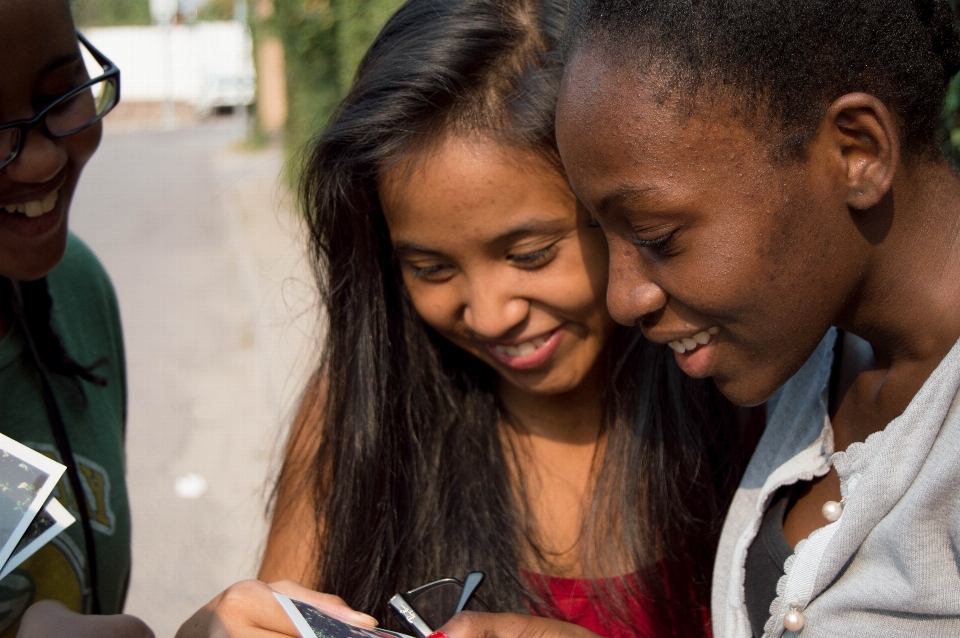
62	385
476	407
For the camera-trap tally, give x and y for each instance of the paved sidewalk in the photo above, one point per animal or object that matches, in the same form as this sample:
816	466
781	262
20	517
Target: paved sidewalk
218	310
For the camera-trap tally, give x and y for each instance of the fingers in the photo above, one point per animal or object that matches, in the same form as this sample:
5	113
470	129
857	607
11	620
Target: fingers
247	609
471	624
326	602
47	619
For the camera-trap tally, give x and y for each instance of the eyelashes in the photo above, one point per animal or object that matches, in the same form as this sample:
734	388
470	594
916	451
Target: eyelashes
660	245
528	261
535	258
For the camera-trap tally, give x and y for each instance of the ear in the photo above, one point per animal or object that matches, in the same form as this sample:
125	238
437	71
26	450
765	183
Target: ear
864	138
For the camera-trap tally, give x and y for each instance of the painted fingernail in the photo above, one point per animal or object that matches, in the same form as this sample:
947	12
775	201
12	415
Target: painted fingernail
438	634
366	619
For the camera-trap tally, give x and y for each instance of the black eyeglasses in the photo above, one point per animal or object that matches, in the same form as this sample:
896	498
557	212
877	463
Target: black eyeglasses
433	604
70	113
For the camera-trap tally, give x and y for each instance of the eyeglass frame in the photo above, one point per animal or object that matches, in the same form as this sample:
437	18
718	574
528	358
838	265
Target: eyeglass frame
408	615
111	70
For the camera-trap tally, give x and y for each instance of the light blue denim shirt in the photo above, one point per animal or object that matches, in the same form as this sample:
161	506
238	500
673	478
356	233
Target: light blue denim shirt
890	566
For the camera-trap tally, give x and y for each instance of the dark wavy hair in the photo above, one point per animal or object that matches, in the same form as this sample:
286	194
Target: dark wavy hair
790	59
411	479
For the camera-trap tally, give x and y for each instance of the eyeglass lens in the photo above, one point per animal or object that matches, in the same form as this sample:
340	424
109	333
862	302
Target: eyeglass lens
9	143
438	604
68	117
82	109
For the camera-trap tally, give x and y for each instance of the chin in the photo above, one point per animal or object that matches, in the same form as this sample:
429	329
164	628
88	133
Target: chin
746	393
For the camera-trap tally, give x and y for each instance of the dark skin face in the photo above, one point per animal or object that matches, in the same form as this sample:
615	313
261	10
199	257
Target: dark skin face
41	61
708	228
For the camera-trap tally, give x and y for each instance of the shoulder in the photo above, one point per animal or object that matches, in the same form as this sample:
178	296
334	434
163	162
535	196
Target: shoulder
85	315
81	270
81	289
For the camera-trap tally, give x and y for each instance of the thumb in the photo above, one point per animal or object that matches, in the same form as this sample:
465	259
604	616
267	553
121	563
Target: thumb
325	602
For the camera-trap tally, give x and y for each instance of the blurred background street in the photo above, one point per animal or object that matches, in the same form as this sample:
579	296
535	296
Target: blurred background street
185	205
217	305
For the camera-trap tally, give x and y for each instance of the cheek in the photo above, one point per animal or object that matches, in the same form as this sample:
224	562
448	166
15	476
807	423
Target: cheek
576	283
436	304
596	260
81	147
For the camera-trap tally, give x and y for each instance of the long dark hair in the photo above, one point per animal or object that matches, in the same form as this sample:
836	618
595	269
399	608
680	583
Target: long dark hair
411	478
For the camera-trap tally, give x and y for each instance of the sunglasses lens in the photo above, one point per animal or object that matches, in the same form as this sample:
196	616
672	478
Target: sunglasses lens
437	605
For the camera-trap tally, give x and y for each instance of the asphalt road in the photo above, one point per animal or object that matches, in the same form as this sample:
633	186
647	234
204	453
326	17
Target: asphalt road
218	315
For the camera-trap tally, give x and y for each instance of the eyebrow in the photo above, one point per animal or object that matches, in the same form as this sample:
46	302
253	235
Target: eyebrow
624	193
530	228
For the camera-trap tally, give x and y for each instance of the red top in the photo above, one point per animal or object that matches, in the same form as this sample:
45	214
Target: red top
580	601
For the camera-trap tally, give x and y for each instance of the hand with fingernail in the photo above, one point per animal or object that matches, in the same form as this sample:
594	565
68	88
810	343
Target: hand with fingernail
249	608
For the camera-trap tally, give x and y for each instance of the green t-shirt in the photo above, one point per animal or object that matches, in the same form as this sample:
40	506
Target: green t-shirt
87	320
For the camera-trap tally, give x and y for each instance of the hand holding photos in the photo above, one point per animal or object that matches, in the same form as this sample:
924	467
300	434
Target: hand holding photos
314	623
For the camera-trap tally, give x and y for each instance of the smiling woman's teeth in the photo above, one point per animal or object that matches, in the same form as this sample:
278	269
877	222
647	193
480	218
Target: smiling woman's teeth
521	349
702	338
35	208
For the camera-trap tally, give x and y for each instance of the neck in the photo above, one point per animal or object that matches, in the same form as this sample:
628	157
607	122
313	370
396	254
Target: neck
553	466
907	305
573	417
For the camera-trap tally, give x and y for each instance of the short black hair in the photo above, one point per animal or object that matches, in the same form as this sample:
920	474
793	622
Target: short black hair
792	58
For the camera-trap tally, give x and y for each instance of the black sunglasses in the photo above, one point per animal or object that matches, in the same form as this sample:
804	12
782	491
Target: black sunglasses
70	113
433	604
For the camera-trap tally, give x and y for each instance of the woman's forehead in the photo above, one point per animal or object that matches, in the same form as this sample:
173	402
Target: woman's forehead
464	187
34	35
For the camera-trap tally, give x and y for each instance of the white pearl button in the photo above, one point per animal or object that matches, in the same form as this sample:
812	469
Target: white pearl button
832	510
793	620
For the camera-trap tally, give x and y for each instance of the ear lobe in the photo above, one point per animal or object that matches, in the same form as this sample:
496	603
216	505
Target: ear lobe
868	144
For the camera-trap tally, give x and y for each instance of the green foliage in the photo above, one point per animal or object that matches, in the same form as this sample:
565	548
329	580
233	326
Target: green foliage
109	13
950	124
324	41
215	10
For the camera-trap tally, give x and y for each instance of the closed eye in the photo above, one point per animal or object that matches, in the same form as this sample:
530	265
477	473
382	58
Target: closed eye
534	259
660	245
434	272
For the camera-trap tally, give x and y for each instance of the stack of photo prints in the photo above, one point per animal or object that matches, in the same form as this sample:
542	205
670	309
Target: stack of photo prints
29	516
314	623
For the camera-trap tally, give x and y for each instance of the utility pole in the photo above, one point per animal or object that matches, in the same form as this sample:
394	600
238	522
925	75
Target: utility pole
240	17
164	12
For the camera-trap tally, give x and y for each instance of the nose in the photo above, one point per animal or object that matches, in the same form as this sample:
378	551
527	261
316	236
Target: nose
40	159
491	310
632	297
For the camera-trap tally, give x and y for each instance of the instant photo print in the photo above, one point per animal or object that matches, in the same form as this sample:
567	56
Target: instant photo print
27	478
313	623
52	519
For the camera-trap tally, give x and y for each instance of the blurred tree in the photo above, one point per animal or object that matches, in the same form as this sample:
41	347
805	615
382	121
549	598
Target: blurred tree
215	10
324	41
950	119
950	124
109	13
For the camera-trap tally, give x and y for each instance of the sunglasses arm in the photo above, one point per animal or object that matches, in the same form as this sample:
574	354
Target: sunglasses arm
403	609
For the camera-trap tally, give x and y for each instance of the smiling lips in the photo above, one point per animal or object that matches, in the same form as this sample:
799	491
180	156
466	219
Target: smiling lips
527	355
686	344
34	208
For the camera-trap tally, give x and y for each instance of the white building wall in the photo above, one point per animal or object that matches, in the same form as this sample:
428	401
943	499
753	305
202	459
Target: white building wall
212	62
